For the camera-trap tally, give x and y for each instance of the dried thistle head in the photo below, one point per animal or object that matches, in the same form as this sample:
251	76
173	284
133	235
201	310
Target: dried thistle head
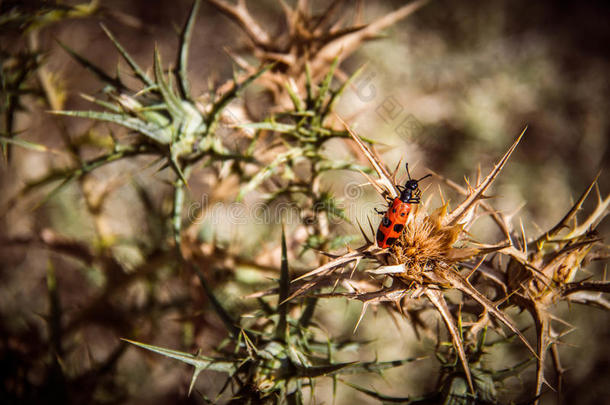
427	244
545	274
544	267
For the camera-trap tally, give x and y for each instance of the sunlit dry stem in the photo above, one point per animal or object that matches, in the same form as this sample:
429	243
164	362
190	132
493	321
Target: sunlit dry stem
437	299
569	216
348	43
596	216
340	261
463	285
241	15
497	217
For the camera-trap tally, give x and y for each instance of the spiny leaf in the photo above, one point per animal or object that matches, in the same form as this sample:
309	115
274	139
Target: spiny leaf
498	217
140	74
364	235
198	361
514	371
115	82
325	85
174	106
598	286
437	299
291	88
175	165
308	84
460	283
4	140
310	307
194	360
595	218
185	39
318	371
592	299
284	289
567	218
384	176
229	322
340	261
379	366
269	126
365	305
240	14
161	135
109	106
542	322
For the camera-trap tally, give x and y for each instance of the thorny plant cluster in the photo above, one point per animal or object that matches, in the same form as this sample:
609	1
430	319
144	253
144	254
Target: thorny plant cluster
274	351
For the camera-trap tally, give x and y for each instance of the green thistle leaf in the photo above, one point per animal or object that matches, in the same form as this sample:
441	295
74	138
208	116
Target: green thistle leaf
160	135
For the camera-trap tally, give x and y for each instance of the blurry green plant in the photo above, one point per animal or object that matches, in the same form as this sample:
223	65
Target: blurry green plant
18	66
35	15
16	71
271	356
166	119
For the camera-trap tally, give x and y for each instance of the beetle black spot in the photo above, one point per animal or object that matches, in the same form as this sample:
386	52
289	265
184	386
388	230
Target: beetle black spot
398	227
380	236
385	222
394	210
391	241
402	214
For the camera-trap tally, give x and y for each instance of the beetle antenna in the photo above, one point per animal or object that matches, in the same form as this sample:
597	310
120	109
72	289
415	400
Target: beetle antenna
408	174
427	175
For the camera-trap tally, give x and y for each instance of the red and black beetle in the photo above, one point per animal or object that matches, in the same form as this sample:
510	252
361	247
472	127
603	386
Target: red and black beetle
395	217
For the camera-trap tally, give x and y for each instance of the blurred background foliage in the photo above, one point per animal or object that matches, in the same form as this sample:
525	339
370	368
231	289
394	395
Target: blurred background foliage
447	88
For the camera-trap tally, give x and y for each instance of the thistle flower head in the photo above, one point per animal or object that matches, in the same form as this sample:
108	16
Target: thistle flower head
426	243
